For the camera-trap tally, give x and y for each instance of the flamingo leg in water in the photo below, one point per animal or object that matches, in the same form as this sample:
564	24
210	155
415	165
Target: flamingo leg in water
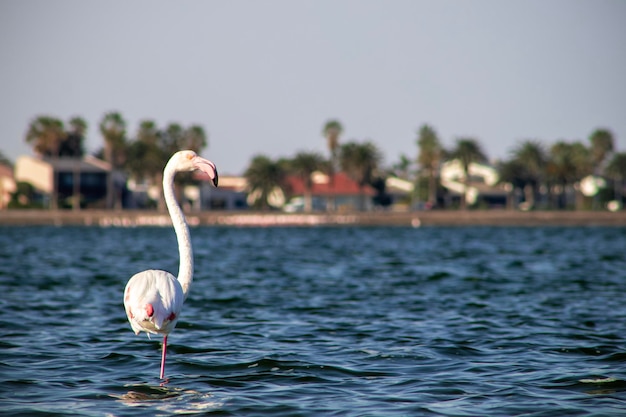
163	356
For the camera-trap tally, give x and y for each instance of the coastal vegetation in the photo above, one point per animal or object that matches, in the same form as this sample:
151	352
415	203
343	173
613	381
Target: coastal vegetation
541	173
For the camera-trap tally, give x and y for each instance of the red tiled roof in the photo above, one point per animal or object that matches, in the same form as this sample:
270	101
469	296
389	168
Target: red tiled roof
341	184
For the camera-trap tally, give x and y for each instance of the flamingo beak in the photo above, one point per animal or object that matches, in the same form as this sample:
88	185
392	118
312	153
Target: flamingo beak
207	167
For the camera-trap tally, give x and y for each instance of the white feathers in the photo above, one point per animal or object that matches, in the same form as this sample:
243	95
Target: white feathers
153	300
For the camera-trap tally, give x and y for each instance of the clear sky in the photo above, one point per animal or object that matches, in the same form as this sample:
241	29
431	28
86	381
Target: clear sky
264	76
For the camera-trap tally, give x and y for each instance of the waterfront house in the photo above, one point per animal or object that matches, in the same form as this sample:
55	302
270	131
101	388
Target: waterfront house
330	193
482	186
66	182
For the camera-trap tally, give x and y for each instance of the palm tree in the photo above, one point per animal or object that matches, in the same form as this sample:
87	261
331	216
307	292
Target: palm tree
359	161
113	129
511	173
568	164
73	145
531	157
146	159
45	134
332	130
601	146
264	177
467	151
617	170
402	168
176	138
429	158
194	138
172	138
153	157
148	132
304	164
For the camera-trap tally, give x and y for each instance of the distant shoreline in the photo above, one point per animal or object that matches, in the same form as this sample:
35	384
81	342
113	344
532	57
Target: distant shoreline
134	218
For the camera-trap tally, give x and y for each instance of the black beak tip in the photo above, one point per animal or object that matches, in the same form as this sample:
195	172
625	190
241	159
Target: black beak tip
215	179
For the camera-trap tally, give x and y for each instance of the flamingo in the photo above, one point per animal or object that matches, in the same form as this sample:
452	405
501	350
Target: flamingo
153	299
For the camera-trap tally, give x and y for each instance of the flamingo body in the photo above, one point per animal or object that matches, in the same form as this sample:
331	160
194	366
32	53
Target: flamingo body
153	299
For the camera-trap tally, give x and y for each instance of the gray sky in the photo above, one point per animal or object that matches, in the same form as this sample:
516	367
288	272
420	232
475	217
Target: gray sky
264	76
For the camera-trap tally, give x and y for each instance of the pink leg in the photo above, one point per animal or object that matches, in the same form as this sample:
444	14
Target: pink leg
163	356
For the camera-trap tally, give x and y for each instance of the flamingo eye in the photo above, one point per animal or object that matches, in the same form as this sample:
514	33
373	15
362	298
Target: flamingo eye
190	156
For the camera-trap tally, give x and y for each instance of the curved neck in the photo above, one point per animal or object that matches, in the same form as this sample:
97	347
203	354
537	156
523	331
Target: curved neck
185	269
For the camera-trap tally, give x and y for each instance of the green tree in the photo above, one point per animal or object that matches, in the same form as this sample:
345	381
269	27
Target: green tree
429	158
617	166
264	177
73	144
402	168
616	169
172	138
146	159
25	196
113	130
467	151
148	132
172	141
194	138
175	138
568	164
601	146
511	173
359	161
73	147
45	134
531	157
332	130
304	164
152	147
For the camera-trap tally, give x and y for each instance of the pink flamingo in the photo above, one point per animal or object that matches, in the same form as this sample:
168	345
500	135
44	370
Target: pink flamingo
153	298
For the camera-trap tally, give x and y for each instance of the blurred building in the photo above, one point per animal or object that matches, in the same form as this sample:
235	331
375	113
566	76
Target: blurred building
339	192
66	182
7	185
401	193
481	187
231	194
330	193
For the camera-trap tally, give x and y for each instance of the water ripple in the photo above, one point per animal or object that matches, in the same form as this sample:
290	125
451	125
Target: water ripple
319	321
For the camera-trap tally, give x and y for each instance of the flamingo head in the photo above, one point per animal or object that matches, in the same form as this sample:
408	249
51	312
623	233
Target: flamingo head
190	161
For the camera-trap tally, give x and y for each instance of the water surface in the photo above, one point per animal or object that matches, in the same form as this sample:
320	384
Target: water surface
319	321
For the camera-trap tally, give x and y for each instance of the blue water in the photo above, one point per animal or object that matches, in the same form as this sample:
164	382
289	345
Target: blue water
379	321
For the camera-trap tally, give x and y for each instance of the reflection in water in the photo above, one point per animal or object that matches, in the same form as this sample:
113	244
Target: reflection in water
603	386
170	400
